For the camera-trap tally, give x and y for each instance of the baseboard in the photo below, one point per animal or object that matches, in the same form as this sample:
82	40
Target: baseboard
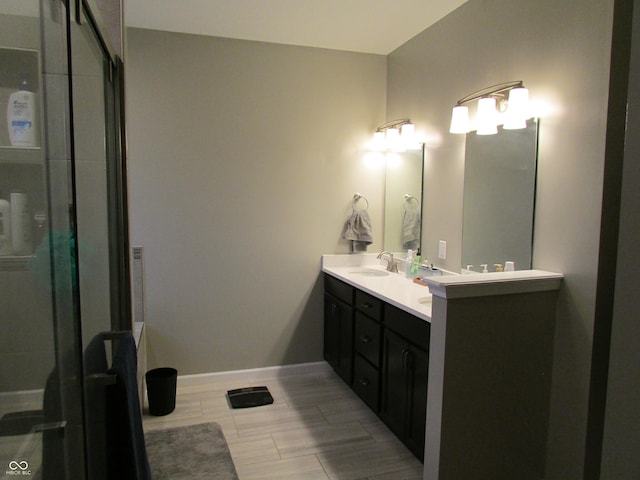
256	373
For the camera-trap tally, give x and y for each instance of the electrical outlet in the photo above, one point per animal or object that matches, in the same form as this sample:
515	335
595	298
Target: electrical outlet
442	250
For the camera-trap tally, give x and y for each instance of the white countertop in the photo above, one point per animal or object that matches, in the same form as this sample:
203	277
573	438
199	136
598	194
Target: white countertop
393	288
494	283
414	298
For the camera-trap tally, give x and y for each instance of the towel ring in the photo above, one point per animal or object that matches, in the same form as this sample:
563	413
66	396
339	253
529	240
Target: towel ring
357	197
408	201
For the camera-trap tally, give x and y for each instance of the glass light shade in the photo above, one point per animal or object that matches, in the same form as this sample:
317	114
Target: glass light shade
518	109
394	142
407	132
459	120
378	143
487	117
409	138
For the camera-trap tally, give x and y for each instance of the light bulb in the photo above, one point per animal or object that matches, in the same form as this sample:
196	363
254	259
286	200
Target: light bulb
409	138
378	143
394	142
487	116
459	120
517	111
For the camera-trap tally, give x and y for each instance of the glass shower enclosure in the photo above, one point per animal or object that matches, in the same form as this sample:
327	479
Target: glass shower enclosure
64	275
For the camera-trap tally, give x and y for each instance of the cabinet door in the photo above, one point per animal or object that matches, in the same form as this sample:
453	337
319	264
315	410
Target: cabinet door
418	370
338	337
393	410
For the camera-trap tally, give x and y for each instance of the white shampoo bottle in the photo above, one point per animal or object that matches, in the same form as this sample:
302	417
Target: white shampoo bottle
22	117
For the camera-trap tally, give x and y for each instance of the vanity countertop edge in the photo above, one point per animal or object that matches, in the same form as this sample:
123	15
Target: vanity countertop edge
495	283
393	288
397	290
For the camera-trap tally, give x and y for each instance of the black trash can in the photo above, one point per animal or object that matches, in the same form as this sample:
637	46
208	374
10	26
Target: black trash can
161	390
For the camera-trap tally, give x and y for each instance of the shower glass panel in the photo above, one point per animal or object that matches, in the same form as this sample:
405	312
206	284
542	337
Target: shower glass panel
90	161
62	239
41	416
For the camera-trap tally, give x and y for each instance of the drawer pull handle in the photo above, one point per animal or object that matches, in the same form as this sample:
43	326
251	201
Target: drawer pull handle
365	339
405	355
366	305
364	382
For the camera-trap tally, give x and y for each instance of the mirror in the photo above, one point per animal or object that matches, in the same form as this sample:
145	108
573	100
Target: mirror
403	201
499	195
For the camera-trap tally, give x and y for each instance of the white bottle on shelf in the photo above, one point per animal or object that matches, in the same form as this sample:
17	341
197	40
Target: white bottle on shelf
21	238
22	117
5	228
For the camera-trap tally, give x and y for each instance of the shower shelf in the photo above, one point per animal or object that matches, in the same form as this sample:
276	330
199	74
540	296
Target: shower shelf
15	262
21	155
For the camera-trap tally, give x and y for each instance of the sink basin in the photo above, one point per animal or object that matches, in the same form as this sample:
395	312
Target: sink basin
424	300
369	272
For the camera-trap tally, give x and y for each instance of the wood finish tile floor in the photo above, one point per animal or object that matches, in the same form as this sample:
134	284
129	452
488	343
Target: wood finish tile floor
317	428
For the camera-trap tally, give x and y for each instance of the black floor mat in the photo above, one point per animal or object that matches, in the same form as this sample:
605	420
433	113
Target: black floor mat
20	423
249	397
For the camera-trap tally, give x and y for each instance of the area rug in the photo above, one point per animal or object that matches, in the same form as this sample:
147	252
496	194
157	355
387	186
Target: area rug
192	452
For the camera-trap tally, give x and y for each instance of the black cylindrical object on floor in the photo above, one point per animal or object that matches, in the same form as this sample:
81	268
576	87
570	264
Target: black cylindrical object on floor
161	390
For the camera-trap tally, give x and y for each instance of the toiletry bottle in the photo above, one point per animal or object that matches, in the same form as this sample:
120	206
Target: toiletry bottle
22	117
408	264
415	266
21	238
5	227
498	267
484	268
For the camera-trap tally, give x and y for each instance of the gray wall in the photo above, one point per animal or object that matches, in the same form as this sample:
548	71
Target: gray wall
243	160
561	50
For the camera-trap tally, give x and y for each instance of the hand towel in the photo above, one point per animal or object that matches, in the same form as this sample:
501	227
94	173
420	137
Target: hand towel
358	230
410	229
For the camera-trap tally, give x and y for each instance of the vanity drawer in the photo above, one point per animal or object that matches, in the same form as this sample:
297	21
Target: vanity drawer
369	305
340	290
366	381
414	329
367	338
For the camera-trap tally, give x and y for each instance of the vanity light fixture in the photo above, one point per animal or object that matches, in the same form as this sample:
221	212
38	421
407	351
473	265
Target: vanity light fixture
493	102
395	136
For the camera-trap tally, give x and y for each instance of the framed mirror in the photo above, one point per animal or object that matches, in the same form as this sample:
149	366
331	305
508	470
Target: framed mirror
499	198
403	201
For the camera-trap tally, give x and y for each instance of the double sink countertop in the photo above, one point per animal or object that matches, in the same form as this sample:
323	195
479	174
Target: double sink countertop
367	273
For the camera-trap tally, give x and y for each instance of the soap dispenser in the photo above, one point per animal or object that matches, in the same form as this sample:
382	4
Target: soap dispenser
484	268
408	264
415	266
498	267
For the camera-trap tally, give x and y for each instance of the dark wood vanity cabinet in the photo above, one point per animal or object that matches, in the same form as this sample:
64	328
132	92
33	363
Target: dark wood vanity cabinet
367	348
338	327
388	356
404	390
405	372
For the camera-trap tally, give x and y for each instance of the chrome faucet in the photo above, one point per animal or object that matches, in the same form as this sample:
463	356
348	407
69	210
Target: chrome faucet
392	264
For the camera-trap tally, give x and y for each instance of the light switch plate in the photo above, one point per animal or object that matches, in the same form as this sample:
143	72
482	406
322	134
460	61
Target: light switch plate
442	250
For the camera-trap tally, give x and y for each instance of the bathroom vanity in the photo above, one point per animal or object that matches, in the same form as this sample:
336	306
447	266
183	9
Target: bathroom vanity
381	351
462	365
376	337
